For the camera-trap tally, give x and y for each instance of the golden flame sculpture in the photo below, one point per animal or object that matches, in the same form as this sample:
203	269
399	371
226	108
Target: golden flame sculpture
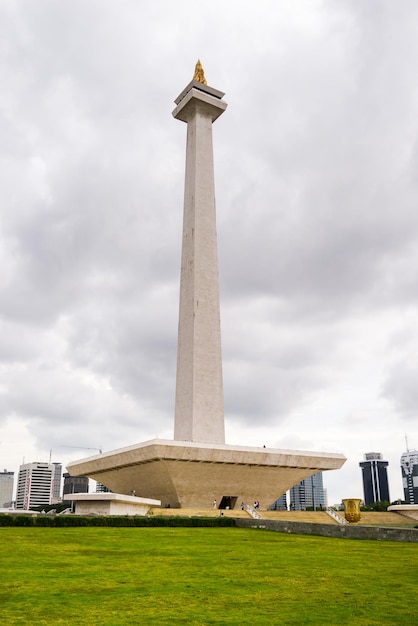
199	74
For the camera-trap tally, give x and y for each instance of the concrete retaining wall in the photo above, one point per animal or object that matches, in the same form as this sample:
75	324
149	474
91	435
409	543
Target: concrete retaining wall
332	530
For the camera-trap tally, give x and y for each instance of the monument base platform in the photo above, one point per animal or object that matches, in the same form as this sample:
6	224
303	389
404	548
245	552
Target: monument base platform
184	474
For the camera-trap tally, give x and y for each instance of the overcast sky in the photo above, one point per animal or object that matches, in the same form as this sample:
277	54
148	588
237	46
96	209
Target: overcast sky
316	167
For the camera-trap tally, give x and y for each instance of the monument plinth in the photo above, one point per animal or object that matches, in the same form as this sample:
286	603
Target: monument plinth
197	467
185	474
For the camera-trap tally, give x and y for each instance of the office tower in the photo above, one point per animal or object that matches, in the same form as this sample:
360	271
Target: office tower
6	489
100	488
75	484
280	504
309	493
375	478
56	485
409	469
34	485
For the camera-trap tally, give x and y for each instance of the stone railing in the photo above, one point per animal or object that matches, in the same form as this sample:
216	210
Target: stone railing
334	515
252	511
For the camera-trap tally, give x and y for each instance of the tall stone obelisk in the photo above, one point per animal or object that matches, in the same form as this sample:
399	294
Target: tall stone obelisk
197	467
199	413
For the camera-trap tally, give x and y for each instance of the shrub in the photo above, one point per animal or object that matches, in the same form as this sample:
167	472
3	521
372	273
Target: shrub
74	521
23	520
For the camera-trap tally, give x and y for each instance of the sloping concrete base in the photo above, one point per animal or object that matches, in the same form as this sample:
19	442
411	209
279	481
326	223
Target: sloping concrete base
185	474
110	504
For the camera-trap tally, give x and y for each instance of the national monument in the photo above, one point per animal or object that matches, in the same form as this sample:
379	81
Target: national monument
197	467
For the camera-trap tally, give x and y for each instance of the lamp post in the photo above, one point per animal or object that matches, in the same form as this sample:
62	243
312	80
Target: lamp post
313	492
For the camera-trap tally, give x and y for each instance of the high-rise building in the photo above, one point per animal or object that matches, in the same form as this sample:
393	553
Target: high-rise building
75	484
35	485
56	486
309	493
6	489
280	504
101	488
409	468
375	478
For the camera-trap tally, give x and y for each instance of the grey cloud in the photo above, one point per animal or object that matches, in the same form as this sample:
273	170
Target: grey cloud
316	196
400	387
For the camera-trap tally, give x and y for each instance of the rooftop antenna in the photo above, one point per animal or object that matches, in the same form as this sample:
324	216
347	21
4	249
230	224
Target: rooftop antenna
406	442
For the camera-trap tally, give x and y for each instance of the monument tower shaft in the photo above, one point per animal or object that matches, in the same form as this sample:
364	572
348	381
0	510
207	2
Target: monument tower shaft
199	412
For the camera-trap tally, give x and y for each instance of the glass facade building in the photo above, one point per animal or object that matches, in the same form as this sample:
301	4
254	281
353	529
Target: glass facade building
6	489
309	493
280	504
56	486
75	484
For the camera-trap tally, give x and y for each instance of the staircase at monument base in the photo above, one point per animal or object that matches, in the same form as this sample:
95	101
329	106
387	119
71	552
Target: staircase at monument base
319	517
315	517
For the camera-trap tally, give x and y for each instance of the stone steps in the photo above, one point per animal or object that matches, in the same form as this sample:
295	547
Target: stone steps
315	517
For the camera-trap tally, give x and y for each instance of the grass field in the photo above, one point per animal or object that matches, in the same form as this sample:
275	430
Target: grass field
118	576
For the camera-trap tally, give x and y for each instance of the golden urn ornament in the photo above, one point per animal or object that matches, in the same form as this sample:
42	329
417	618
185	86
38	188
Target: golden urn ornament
352	509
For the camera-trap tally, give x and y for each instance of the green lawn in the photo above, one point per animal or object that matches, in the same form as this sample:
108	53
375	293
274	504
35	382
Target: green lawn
115	576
